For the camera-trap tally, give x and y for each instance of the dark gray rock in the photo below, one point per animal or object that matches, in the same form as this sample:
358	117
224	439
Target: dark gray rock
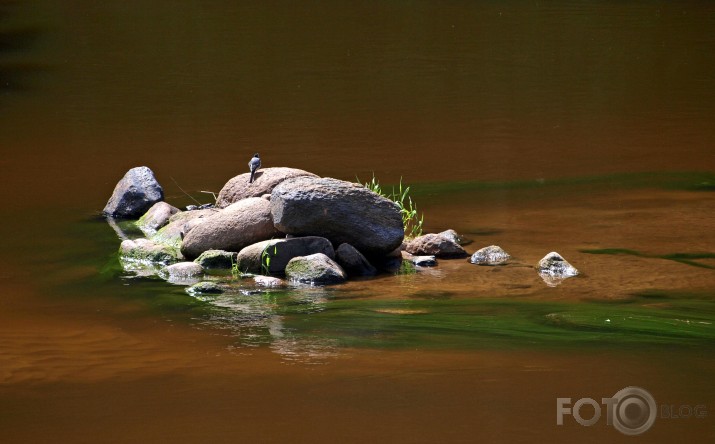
134	194
340	211
353	262
266	179
157	216
241	224
145	250
434	245
316	269
491	255
251	259
216	259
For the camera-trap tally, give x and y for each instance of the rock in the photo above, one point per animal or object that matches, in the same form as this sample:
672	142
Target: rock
340	211
251	259
179	225
389	264
315	269
553	269
212	259
434	245
241	224
491	255
134	194
353	262
555	265
204	288
454	237
145	250
266	179
424	261
157	216
268	281
185	270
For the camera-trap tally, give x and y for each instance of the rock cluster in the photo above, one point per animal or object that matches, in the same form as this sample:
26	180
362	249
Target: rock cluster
290	223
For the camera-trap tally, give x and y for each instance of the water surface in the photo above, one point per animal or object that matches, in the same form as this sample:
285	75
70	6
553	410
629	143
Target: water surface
580	127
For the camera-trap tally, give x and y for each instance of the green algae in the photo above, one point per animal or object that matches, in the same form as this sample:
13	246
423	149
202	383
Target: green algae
683	258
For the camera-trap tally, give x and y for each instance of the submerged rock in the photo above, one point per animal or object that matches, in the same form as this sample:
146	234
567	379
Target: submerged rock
216	259
353	262
266	179
134	194
185	270
204	287
553	269
146	250
253	258
434	245
268	281
315	269
157	216
423	261
241	224
491	255
340	211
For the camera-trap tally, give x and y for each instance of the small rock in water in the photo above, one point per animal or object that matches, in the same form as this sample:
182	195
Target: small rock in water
491	255
424	261
212	259
185	269
204	288
454	237
553	269
315	269
157	216
134	194
146	250
435	245
268	281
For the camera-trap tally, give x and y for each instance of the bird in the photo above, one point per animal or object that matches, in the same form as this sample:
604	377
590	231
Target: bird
254	165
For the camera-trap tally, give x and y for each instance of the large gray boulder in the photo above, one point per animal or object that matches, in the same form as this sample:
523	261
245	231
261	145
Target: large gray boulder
353	262
252	259
134	194
157	216
434	245
340	211
265	180
241	224
316	269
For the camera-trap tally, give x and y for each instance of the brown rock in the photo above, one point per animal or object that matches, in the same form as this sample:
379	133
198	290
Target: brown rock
265	180
435	245
241	224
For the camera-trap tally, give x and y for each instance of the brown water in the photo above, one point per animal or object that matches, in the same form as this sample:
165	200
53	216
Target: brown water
581	127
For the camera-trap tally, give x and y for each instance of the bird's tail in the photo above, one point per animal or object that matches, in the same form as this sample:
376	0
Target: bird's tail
253	173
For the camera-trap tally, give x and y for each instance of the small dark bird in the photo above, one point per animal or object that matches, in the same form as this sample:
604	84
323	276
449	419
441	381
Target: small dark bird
254	165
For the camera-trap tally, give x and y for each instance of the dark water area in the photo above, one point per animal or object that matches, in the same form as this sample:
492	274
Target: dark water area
581	127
